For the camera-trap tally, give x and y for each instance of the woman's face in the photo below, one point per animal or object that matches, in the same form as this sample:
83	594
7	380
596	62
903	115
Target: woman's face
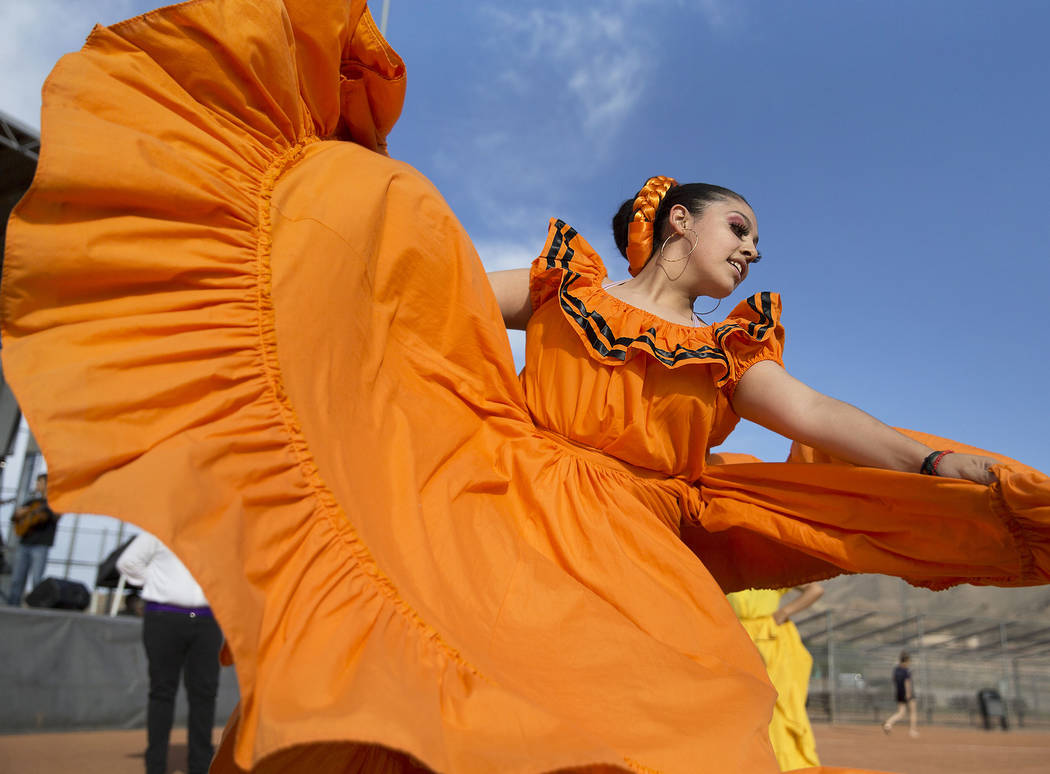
726	237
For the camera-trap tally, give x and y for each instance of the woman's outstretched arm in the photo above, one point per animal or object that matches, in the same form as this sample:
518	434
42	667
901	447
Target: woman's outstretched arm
770	396
512	292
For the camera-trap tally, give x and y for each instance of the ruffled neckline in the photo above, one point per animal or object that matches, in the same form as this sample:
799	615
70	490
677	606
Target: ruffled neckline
570	271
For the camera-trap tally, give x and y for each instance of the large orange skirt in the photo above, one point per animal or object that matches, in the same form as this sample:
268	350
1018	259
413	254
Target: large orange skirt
276	350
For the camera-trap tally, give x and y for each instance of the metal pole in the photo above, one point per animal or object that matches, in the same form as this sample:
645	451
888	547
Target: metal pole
114	606
102	546
101	555
1017	693
1004	681
383	18
26	479
72	543
920	625
829	628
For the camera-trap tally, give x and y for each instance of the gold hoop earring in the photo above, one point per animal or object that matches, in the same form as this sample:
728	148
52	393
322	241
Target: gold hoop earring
663	260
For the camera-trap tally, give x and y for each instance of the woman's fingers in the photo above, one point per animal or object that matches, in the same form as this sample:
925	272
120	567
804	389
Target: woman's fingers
967	466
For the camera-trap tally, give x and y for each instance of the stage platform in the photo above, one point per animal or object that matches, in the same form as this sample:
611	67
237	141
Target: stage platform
64	671
71	674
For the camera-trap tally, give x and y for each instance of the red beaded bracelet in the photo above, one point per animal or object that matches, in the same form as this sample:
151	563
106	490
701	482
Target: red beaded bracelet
929	465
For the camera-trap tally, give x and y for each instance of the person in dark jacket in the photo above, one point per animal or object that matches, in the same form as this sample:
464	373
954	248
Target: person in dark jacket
35	525
905	689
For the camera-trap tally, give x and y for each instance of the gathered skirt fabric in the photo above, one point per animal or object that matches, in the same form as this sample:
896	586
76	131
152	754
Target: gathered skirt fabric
276	350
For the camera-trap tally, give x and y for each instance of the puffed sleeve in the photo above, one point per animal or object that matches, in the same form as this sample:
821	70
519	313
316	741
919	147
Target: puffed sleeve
751	334
567	259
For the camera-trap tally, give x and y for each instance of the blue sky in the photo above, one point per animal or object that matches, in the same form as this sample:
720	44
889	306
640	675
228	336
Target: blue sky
895	152
896	155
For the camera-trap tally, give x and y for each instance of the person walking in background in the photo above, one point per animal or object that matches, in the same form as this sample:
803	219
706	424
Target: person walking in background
35	524
180	633
905	697
788	663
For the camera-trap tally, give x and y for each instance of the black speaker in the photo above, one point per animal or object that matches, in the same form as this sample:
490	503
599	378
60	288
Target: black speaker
60	595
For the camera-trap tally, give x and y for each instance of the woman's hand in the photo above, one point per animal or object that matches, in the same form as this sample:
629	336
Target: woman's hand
810	593
970	467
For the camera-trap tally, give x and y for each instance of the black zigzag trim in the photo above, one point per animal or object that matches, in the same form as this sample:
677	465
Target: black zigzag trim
564	234
765	322
607	344
756	329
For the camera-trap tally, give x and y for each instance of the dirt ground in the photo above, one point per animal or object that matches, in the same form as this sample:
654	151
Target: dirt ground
936	751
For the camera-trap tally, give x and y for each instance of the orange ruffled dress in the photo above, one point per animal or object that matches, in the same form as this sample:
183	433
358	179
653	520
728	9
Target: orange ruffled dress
230	319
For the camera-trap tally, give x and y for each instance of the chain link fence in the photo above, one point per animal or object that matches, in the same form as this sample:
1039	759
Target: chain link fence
952	658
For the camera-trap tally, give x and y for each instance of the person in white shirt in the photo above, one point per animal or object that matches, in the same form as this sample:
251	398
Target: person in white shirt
180	633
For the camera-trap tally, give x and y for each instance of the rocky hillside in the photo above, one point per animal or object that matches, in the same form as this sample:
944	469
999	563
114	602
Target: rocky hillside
892	594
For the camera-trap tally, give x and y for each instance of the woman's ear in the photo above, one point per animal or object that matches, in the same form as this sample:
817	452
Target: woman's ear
680	218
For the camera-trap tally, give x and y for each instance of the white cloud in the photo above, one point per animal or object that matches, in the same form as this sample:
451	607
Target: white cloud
607	91
553	88
718	14
599	62
603	54
34	34
503	254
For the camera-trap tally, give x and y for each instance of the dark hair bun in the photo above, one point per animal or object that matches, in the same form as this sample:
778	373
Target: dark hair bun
621	220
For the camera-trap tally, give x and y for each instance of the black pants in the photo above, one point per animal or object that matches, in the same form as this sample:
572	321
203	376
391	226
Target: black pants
174	641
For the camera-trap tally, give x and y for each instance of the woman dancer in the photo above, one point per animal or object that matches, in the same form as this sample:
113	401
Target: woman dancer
768	623
417	559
